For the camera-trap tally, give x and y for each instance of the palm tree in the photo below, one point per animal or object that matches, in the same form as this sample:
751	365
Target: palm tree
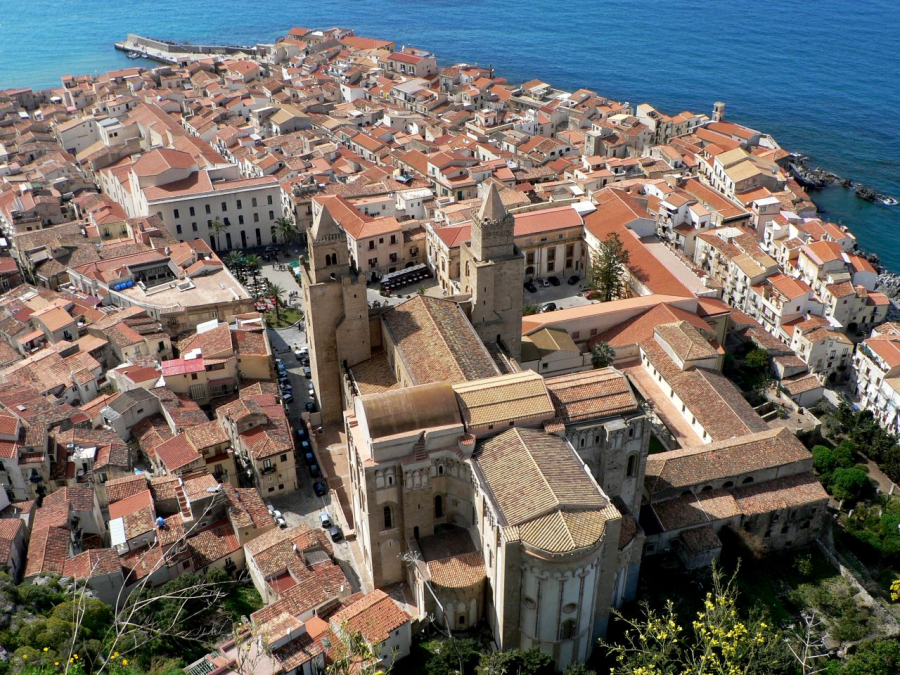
602	355
277	293
252	263
217	227
233	259
285	229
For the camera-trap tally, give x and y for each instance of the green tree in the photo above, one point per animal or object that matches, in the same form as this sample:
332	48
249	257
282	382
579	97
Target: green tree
757	359
516	662
286	230
450	654
826	460
608	267
719	641
850	484
217	227
602	355
530	307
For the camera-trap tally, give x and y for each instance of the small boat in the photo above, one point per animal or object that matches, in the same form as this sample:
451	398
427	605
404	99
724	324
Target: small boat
866	193
144	56
888	201
133	55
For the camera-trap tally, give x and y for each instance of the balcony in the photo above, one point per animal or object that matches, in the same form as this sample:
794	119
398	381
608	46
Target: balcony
265	471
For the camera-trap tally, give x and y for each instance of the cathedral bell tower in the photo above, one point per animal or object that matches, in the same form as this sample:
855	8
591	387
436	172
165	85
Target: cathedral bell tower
492	272
336	310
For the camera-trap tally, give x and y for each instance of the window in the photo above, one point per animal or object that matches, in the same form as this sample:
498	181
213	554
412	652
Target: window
440	469
255	217
269	199
747	480
393	237
192	211
388	518
240	220
267	464
194	226
239	203
208	209
175	213
224	207
438	507
271	215
371	244
567	629
632	466
284	458
178	229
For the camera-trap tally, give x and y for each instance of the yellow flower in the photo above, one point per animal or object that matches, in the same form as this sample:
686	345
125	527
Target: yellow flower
115	655
56	663
25	656
124	662
46	649
76	656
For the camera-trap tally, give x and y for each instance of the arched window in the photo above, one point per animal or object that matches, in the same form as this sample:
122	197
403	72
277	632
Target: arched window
706	488
567	629
390	478
388	518
728	484
748	479
438	507
686	493
440	469
632	466
467	268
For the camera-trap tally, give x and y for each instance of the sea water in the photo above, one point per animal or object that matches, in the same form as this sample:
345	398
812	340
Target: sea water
823	78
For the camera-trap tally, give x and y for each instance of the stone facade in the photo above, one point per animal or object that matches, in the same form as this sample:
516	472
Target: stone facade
337	313
492	272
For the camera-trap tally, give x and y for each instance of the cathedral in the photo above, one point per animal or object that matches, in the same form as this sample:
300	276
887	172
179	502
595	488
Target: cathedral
494	493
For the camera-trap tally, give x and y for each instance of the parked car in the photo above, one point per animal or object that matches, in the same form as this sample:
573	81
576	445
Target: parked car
574	279
315	471
282	523
336	534
287	397
300	352
307	372
309	458
312	390
530	287
553	281
325	520
311	407
544	283
302	433
320	489
549	307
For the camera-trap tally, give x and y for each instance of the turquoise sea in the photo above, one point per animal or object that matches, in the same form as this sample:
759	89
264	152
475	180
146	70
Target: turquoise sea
822	77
